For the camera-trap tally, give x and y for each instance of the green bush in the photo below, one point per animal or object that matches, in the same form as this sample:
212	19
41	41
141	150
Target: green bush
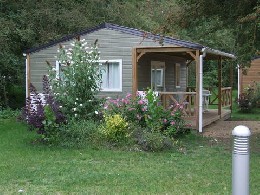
80	134
154	141
6	113
114	128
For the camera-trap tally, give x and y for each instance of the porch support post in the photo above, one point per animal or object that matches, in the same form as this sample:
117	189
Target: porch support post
232	83
134	72
197	88
27	75
219	85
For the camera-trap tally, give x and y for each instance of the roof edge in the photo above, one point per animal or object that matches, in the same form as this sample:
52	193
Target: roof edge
65	38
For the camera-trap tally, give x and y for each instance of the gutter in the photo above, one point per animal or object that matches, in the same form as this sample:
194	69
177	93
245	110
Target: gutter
217	52
26	74
201	88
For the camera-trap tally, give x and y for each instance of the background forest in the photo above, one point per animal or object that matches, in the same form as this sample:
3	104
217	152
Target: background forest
228	25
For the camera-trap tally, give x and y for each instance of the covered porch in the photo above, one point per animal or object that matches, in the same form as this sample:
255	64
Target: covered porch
164	69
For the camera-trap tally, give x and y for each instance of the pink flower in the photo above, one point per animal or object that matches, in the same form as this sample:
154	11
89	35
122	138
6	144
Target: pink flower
129	95
141	102
172	123
105	106
130	109
138	117
143	109
165	120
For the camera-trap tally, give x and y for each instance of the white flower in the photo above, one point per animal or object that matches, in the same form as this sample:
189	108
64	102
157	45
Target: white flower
96	112
74	109
77	98
76	115
60	106
80	105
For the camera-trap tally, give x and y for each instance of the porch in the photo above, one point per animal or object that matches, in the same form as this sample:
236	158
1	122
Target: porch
212	109
163	69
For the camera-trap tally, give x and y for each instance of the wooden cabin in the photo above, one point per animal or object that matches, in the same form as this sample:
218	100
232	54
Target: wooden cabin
250	76
140	60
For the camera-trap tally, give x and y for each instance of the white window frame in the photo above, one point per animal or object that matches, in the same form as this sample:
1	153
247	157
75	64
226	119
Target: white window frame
161	70
119	61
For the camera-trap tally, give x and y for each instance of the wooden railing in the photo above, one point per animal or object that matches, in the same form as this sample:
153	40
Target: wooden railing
213	99
184	99
226	97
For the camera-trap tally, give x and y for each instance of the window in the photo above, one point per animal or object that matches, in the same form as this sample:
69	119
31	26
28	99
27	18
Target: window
111	71
177	75
157	77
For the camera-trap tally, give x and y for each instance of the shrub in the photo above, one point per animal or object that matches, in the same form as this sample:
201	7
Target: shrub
6	113
114	128
245	102
79	134
149	113
79	80
43	115
151	141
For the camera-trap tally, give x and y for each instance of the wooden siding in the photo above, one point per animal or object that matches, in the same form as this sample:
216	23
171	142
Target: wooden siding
38	64
112	45
252	75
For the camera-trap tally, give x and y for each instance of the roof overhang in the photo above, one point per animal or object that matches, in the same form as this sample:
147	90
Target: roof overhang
184	52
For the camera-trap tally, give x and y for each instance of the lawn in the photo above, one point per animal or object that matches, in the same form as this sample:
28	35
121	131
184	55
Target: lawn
199	166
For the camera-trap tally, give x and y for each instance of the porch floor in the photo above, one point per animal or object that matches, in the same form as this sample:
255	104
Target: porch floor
210	116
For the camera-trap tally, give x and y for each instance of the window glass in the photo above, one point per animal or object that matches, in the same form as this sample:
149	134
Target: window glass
111	75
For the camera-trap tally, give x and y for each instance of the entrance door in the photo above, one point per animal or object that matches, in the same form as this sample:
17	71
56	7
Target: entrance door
158	76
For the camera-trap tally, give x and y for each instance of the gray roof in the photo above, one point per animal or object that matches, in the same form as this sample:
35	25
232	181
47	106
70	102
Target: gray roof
136	32
122	29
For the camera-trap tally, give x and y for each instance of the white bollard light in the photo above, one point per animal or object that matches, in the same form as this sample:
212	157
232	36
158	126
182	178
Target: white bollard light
240	161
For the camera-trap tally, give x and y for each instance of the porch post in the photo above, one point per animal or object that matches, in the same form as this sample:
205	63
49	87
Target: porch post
232	84
197	88
134	72
28	75
219	85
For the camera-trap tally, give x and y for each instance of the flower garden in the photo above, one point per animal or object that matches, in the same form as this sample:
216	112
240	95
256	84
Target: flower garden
71	114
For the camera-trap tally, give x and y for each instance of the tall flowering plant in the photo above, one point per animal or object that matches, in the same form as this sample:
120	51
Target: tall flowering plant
78	80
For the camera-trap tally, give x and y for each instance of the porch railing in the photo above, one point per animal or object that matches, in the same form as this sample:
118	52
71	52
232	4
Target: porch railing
185	99
226	97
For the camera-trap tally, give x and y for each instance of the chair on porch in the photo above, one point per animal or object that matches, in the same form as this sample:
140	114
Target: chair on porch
205	101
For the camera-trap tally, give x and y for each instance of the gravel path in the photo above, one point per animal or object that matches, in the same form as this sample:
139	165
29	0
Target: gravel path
223	129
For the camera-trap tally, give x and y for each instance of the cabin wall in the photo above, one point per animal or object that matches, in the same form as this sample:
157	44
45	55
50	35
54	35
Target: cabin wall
113	45
252	76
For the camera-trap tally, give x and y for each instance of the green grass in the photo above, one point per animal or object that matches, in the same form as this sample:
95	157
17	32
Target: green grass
199	167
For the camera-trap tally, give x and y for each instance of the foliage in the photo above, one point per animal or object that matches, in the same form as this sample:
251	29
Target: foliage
114	128
250	98
7	113
43	113
231	26
78	81
148	112
80	134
